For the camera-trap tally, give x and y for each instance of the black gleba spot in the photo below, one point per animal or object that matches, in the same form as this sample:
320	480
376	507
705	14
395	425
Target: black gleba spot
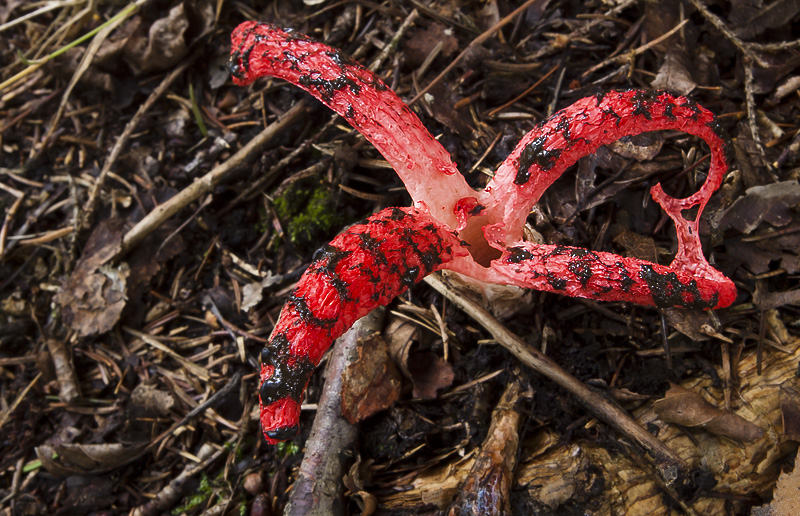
535	153
283	434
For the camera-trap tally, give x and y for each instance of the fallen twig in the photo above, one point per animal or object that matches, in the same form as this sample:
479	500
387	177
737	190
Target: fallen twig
205	184
317	489
670	466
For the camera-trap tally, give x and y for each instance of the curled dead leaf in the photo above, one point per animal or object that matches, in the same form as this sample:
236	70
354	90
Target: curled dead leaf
87	459
675	74
687	408
252	292
159	45
93	301
430	373
93	297
688	322
426	370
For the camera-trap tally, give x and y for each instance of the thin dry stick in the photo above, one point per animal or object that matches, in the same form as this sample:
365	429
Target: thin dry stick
47	237
205	184
45	203
50	6
635	52
122	141
317	489
474	43
5	414
556	46
522	95
68	382
9	215
751	58
670	465
392	46
172	492
721	26
255	188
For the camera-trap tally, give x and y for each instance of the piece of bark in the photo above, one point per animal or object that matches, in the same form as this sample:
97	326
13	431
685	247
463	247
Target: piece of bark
487	488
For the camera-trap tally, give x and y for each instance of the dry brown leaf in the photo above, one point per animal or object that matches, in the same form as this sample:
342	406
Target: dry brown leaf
87	495
637	246
689	322
752	17
674	74
93	297
400	335
443	98
422	41
151	401
427	371
159	45
94	76
756	259
660	18
687	408
790	412
252	292
772	203
64	460
355	480
430	373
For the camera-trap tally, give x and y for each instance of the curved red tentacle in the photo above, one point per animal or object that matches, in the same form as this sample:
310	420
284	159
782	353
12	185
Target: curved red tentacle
358	95
579	130
361	269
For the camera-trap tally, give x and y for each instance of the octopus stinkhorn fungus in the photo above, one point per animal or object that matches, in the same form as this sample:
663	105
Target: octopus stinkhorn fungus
452	226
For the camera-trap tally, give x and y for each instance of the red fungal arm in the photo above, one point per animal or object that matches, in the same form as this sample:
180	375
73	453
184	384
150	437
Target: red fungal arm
371	263
355	93
578	272
363	268
579	130
547	151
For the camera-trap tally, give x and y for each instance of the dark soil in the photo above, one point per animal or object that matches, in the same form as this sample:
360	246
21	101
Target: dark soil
100	363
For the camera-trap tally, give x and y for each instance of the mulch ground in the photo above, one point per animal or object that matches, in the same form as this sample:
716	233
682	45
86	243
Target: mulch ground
129	343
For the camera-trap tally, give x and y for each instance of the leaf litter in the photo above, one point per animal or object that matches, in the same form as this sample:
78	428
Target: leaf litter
70	296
